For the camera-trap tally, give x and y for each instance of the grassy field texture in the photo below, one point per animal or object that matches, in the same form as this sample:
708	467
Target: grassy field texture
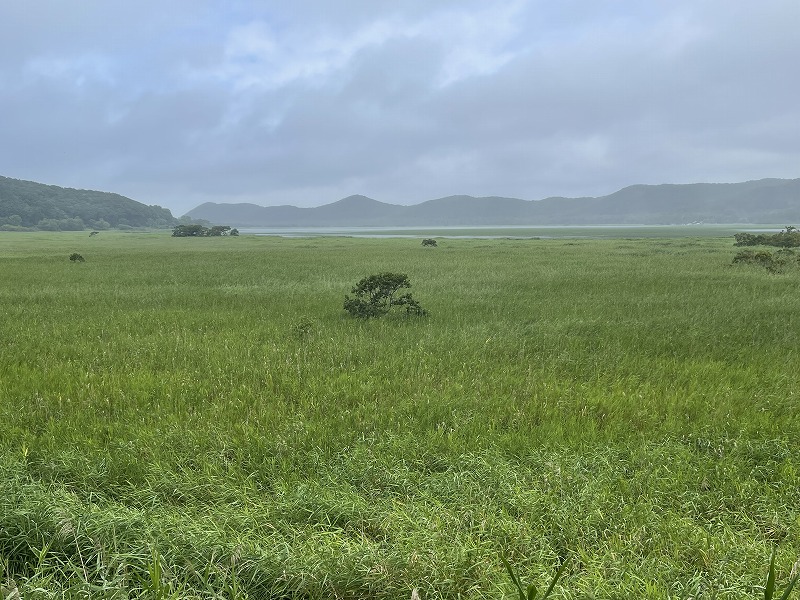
199	418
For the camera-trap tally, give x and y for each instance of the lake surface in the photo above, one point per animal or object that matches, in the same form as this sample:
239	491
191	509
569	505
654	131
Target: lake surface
516	232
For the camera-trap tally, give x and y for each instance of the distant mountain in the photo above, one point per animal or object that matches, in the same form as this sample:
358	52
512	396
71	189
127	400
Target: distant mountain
342	213
30	204
762	201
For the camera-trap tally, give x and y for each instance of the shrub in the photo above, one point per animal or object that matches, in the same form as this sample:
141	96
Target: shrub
198	230
429	242
375	296
189	231
787	238
218	230
75	257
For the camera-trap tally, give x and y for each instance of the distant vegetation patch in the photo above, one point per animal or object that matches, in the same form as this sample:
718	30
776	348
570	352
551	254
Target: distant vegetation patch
75	257
27	205
196	230
787	238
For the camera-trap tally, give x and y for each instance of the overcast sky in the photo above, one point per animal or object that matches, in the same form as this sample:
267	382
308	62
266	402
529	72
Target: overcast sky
179	102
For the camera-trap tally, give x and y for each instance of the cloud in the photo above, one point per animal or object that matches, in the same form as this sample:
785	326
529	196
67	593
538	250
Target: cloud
193	101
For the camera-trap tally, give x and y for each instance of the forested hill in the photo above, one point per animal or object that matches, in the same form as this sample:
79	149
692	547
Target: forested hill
26	204
775	201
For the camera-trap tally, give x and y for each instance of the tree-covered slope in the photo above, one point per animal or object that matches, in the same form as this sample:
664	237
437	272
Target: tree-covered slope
30	204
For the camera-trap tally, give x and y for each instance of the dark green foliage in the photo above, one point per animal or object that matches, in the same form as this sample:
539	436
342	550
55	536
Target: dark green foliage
53	208
75	257
377	294
788	238
197	230
13	220
234	232
217	230
189	231
772	262
429	242
61	225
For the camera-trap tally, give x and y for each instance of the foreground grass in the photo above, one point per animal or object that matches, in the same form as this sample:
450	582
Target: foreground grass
200	418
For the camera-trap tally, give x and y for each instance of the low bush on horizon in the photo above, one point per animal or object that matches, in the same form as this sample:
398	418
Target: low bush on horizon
205	421
789	237
198	230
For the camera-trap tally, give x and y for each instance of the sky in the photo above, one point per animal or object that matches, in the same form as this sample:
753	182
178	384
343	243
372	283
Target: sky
304	102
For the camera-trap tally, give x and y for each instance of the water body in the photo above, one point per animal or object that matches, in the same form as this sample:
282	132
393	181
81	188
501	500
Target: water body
516	232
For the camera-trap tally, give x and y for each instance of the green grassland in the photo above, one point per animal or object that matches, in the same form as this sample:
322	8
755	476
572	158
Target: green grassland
199	418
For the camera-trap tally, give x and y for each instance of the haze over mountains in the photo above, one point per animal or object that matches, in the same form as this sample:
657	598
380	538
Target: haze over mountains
774	201
26	204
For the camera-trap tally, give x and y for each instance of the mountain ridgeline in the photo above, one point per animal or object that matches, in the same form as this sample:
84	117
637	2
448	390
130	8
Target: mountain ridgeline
26	204
763	201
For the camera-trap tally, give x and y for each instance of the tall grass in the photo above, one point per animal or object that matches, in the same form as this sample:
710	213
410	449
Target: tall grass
199	418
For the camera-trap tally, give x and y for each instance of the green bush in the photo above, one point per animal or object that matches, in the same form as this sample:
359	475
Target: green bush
198	230
787	238
375	296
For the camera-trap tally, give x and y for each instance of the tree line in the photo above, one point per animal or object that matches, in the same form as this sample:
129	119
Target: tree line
197	230
30	205
786	238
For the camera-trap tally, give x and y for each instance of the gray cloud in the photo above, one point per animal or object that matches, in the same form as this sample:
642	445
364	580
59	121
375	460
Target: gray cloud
184	102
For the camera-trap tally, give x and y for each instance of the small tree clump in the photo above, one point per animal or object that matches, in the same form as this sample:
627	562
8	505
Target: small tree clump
197	230
789	237
377	294
75	257
218	230
429	242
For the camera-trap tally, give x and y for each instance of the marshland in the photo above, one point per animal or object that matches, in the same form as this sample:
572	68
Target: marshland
200	418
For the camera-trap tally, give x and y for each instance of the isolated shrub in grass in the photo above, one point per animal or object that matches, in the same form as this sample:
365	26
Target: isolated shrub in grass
75	257
429	242
376	295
